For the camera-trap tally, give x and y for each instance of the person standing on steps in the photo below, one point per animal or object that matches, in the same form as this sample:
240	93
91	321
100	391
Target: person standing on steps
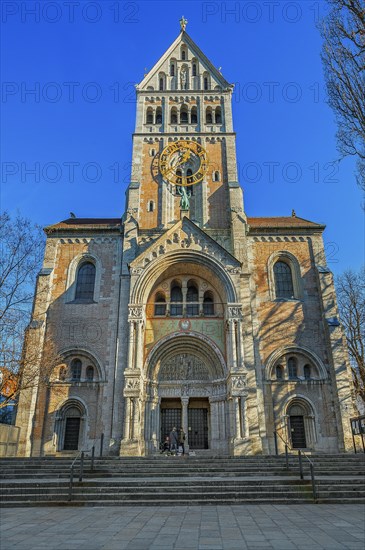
174	439
182	440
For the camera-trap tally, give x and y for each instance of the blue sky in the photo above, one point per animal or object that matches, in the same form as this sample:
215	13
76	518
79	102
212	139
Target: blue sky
66	146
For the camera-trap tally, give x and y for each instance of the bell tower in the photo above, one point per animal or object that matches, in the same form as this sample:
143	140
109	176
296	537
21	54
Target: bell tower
184	98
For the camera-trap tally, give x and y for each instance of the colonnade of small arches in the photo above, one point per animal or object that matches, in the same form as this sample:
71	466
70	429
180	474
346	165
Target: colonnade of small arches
186	297
185	114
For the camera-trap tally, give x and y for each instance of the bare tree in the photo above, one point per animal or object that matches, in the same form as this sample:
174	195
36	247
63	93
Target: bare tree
343	56
21	251
351	301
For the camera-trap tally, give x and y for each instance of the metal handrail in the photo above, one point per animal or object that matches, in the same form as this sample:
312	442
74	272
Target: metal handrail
300	454
81	455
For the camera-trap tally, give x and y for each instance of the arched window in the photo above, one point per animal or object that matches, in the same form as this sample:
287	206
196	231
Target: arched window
307	372
216	176
158	115
208	303
173	116
160	305
178	180
194	69
206	83
161	84
189	173
63	373
218	115
194	115
149	116
208	116
192	299
283	280
150	206
183	55
176	300
85	283
292	368
172	69
152	152
90	373
76	366
279	372
184	115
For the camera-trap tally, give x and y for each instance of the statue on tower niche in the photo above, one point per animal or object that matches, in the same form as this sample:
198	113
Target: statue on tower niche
185	196
183	23
183	76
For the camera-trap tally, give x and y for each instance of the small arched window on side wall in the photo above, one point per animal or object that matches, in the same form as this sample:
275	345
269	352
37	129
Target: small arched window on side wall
216	175
161	84
160	305
172	69
206	85
150	206
85	283
307	372
63	373
194	69
279	372
90	373
208	303
292	368
283	280
76	366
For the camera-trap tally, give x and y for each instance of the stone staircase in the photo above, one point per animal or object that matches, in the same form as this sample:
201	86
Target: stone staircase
169	480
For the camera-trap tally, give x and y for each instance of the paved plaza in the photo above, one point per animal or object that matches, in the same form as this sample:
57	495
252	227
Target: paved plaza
238	527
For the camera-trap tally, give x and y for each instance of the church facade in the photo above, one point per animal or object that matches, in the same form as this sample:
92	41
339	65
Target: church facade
185	312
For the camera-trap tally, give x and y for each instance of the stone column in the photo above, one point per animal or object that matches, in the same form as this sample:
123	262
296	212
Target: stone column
131	341
240	352
232	334
214	423
139	345
237	411
184	420
127	419
222	420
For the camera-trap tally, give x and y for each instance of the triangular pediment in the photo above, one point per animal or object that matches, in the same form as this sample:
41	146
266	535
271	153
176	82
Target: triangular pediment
217	81
185	236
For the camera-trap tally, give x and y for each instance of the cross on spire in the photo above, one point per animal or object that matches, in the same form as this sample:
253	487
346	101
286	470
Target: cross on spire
183	23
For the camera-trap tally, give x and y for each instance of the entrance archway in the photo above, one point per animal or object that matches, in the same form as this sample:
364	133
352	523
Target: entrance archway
301	424
186	387
69	425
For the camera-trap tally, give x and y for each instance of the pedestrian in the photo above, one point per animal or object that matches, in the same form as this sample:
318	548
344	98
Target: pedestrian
174	439
182	440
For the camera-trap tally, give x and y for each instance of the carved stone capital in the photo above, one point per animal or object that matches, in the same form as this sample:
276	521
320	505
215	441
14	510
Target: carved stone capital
238	384
135	312
234	311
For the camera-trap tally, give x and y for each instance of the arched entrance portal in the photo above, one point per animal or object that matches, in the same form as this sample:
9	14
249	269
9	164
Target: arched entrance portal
186	387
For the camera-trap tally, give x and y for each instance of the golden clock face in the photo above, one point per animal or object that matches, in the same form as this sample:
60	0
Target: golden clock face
183	163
